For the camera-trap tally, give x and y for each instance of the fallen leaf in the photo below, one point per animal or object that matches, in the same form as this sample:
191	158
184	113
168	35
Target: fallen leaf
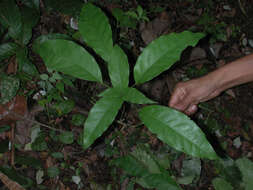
49	162
13	110
12	67
155	28
197	53
230	92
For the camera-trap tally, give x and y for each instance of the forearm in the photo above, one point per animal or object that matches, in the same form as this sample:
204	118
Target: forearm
234	73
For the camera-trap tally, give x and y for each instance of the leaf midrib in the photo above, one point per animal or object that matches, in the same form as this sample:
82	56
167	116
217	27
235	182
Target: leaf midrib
175	132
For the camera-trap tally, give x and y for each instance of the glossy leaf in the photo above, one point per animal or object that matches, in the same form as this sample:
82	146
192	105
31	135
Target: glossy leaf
96	30
69	58
7	50
162	53
131	95
118	68
114	92
10	17
99	119
135	96
246	167
54	36
177	130
221	184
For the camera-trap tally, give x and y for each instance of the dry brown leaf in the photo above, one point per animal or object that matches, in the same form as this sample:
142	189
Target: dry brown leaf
231	93
50	162
11	111
197	53
11	185
155	28
12	67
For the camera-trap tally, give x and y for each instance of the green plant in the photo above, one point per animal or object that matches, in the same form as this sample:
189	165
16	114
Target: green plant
139	14
217	30
233	174
17	23
52	90
130	18
172	127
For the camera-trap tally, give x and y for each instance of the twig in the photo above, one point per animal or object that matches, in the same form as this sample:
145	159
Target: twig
35	122
11	185
242	8
12	145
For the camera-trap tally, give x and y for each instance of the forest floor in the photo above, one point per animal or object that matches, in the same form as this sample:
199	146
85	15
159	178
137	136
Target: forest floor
227	120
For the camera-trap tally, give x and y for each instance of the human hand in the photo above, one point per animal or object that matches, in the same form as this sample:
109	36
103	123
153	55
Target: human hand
187	95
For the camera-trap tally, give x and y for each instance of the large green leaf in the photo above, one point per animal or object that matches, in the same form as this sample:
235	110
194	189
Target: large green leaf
54	36
7	50
162	53
99	119
128	94
30	17
114	92
118	68
177	130
96	31
10	17
24	63
69	58
135	96
246	168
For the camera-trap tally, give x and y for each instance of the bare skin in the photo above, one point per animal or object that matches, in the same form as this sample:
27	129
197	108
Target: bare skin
187	95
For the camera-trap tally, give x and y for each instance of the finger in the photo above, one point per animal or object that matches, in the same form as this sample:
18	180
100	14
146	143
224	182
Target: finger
177	100
191	109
